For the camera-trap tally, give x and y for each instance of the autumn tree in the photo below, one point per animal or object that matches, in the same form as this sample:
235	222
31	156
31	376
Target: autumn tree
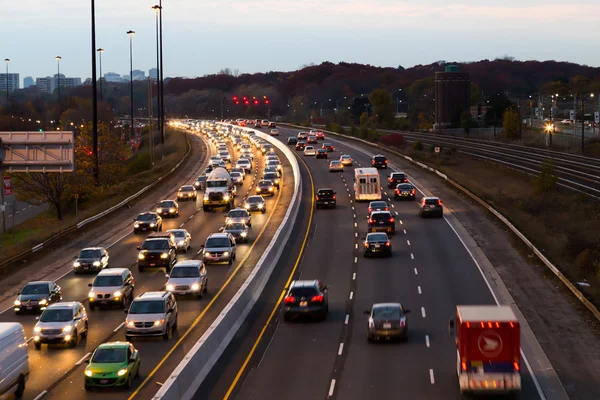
511	123
383	107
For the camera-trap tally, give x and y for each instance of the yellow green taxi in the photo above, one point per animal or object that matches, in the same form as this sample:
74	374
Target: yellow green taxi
113	364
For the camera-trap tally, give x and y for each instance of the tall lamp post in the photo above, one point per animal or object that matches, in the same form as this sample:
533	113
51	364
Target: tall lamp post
96	168
162	87
100	51
58	58
158	98
7	60
131	33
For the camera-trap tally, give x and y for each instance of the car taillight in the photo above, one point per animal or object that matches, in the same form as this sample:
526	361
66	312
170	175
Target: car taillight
317	197
391	220
516	365
401	323
463	366
366	244
372	161
289	299
334	196
385	161
317	299
412	191
388	244
386	209
440	202
371	221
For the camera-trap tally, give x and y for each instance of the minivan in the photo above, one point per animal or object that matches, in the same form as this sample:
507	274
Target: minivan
14	360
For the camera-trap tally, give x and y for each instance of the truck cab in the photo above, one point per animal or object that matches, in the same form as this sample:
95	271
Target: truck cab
220	190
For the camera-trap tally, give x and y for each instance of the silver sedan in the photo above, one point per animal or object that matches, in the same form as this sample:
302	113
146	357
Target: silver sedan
183	240
387	321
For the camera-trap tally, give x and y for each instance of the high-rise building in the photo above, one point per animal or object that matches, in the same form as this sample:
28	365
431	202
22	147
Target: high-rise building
452	96
138	75
9	82
153	73
28	81
112	77
50	83
125	78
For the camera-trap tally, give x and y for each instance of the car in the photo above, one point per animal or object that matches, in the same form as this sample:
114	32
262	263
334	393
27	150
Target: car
242	171
387	321
378	205
187	192
382	221
36	296
222	164
255	203
91	259
264	122
379	161
320	135
346	160
183	239
336	166
311	139
328	146
224	155
377	244
265	187
404	191
158	251
257	125
274	132
219	247
292	140
151	314
188	277
325	197
168	208
14	364
309	151
237	178
200	183
113	364
61	323
313	132
306	298
301	145
112	286
214	160
431	206
238	230
321	153
275	163
208	170
396	178
244	163
302	136
272	124
147	221
239	215
273	177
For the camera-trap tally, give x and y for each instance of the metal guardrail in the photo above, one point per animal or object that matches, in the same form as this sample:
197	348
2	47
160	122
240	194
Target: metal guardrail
97	216
591	307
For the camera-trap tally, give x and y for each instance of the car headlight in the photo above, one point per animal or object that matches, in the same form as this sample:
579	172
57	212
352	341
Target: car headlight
159	322
43	301
136	225
170	288
76	264
195	286
206	253
226	253
141	256
246	206
258	189
243	234
96	263
122	372
181	242
17	302
270	189
206	196
37	329
164	256
117	294
130	324
152	225
88	372
260	205
91	295
159	210
67	328
226	197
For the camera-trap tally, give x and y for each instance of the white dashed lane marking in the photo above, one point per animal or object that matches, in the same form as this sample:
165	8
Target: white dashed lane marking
427	341
341	349
431	378
423	312
419	289
347	319
351	295
416	272
412	256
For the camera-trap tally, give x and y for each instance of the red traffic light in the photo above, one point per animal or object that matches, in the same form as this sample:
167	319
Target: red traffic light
237	102
246	102
255	101
267	101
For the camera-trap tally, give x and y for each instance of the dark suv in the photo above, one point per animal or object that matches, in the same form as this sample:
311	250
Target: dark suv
396	178
325	198
147	221
306	298
431	206
379	161
157	251
382	221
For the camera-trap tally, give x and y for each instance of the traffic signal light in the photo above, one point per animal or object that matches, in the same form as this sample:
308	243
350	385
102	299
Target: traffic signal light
246	102
267	101
255	101
235	99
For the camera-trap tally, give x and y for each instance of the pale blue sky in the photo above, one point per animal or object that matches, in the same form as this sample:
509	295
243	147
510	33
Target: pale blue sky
201	37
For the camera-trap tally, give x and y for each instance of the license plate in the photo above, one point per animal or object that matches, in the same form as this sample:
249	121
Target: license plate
180	293
377	246
303	304
380	222
387	325
103	381
103	302
325	202
152	264
404	193
144	229
431	206
28	307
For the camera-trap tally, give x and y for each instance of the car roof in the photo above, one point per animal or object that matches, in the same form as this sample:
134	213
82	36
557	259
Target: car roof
398	172
382	305
113	345
64	304
238	209
177	230
325	188
93	248
187	187
112	271
304	283
188	263
152	295
265	182
168	200
218	235
380	212
431	198
378	202
38	282
148	213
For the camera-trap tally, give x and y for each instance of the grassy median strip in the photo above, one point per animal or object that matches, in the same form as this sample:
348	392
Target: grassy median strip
41	227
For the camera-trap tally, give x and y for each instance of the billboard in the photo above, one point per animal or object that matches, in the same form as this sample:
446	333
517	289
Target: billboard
51	151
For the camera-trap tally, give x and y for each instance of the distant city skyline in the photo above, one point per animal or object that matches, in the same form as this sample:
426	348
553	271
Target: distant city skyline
15	80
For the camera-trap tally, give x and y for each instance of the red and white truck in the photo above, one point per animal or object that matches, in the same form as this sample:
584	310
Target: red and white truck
488	356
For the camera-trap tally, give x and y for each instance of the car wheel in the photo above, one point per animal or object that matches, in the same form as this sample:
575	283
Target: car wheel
125	302
87	388
85	333
264	210
206	286
135	232
37	345
204	208
369	338
128	382
174	327
140	269
167	334
74	339
230	261
286	317
404	337
137	371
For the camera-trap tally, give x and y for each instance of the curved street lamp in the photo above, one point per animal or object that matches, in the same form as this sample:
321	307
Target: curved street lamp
131	33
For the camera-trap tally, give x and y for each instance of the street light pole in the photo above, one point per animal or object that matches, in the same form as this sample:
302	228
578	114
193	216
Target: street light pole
7	60
162	87
100	51
582	123
131	33
158	99
96	168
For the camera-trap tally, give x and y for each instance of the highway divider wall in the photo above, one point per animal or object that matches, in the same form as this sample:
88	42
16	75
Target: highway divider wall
485	205
187	377
99	215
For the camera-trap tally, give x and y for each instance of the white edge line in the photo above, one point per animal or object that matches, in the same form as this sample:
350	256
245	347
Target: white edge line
331	388
83	359
347	319
119	327
41	395
341	349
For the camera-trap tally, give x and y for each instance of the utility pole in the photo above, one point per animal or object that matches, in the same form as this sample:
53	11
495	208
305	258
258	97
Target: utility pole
222	105
96	168
582	124
161	82
151	141
574	114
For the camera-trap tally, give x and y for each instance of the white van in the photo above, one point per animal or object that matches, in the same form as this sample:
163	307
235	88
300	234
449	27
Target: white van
367	184
14	360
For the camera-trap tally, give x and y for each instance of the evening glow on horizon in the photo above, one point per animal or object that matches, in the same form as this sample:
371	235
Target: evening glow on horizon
202	37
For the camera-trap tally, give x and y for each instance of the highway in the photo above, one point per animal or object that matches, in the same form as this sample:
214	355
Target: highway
430	272
19	212
57	372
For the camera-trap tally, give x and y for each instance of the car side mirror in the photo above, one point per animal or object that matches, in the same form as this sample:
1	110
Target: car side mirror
76	319
126	310
90	285
367	312
37	318
87	361
221	229
167	276
202	246
138	247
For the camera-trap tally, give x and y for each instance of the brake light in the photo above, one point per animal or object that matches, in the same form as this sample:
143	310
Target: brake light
289	299
334	196
317	299
397	191
440	202
391	220
385	161
372	161
516	365
387	244
371	221
386	209
463	366
412	191
317	197
402	323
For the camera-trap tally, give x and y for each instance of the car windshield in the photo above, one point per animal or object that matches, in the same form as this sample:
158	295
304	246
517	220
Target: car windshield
431	201
265	183
345	157
243	162
187	189
392	312
397	176
304	291
147	307
377	237
270	176
217	242
216	184
57	315
235	175
108	280
327	144
381	216
235	226
185	272
378	204
146	217
237	214
254	200
155	245
405	186
379	159
37	288
335	163
90	254
178	233
102	356
201	179
167	204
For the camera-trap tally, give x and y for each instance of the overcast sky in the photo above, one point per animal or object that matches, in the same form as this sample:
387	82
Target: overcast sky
201	37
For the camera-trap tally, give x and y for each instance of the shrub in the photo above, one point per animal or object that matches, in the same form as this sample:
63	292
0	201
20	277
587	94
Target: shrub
141	162
418	145
545	182
393	139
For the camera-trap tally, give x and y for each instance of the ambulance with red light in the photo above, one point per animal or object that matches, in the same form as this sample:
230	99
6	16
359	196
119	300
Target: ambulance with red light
488	358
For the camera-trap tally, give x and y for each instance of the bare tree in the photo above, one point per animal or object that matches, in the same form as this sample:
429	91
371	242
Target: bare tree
43	187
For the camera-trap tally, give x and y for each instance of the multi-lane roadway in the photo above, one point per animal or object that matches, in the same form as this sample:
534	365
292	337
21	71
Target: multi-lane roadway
57	372
430	272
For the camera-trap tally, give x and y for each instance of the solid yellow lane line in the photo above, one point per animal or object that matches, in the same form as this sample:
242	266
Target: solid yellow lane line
277	304
208	307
